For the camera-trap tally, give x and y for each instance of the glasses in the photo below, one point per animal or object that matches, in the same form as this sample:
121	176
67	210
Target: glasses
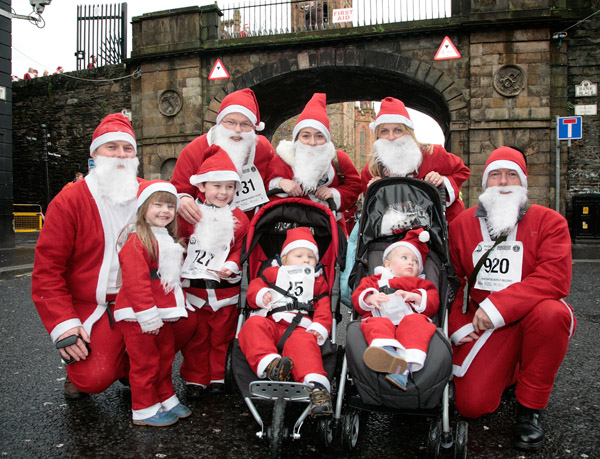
244	125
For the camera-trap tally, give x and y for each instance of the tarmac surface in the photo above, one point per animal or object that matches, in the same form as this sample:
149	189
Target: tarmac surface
37	421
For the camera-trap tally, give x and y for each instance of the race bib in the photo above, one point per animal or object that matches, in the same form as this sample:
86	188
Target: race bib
298	281
201	262
503	266
252	190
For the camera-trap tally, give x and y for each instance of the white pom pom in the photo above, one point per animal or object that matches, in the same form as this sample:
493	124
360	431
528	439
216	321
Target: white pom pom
372	126
260	126
424	236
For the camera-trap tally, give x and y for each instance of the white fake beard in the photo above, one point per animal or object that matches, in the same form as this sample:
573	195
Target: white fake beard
239	151
216	227
170	259
503	209
118	184
311	164
400	157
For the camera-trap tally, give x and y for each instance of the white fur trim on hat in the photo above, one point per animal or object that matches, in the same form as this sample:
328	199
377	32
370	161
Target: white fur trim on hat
300	243
409	246
215	176
503	164
153	188
391	118
313	124
112	137
242	110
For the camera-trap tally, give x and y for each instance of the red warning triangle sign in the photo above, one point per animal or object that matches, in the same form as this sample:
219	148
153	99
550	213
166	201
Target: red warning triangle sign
218	72
447	50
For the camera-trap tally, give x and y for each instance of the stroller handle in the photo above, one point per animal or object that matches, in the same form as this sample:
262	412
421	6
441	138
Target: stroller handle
274	191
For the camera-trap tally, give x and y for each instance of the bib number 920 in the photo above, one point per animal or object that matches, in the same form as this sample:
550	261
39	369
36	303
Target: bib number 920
496	265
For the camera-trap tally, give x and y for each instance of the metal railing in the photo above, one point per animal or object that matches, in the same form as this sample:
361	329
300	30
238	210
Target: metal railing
273	17
27	218
101	35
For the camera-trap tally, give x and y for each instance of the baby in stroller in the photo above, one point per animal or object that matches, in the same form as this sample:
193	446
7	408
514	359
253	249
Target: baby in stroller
279	340
396	304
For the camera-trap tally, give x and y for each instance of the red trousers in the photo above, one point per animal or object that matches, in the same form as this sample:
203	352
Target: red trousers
413	332
259	337
150	363
528	352
205	353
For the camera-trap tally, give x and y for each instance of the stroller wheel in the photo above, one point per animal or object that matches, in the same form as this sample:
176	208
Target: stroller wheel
325	432
460	445
276	431
229	383
350	429
434	440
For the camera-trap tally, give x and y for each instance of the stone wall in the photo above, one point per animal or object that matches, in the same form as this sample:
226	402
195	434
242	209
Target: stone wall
71	109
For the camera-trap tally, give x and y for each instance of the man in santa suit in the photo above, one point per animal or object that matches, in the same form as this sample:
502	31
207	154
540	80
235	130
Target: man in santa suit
75	273
514	326
237	122
212	270
397	153
310	165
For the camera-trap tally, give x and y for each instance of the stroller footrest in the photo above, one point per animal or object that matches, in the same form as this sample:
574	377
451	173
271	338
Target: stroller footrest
279	389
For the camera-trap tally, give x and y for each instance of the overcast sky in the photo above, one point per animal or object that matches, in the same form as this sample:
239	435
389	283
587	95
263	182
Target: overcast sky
55	44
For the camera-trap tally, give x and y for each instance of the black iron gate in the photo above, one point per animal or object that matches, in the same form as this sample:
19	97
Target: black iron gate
101	35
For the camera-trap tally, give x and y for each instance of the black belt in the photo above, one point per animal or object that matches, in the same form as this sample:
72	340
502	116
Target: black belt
212	284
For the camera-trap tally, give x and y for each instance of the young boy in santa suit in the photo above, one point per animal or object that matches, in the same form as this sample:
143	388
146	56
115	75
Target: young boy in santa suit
397	153
301	357
149	299
212	270
310	166
397	303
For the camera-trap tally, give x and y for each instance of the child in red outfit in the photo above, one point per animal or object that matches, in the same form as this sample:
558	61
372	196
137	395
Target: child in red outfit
212	267
150	298
300	357
397	326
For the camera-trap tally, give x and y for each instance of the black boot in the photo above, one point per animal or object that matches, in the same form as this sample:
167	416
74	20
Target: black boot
528	430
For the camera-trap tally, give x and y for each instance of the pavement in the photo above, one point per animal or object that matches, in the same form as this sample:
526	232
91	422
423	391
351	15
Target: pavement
18	260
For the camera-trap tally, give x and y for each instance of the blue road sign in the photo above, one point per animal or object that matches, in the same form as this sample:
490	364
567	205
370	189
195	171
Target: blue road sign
569	128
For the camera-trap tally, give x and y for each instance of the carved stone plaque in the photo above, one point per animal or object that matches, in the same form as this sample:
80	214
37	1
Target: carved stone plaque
509	80
169	103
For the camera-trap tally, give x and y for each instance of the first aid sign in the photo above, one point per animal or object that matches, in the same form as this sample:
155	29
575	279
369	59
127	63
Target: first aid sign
342	15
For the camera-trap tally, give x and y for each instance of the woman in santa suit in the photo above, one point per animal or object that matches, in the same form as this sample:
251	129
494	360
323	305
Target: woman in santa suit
310	166
397	153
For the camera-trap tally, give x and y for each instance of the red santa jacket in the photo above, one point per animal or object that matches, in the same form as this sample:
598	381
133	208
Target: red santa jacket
226	294
546	270
448	165
322	317
142	296
192	156
430	296
69	280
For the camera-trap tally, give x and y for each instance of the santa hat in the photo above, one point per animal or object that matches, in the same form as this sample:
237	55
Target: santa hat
299	238
217	166
314	115
506	158
244	102
112	128
392	111
149	187
415	240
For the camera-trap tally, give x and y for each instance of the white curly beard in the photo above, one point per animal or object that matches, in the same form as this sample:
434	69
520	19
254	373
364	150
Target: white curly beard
503	204
311	164
238	151
215	228
170	259
401	157
116	178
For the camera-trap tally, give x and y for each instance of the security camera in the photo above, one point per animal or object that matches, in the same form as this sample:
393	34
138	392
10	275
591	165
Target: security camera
39	5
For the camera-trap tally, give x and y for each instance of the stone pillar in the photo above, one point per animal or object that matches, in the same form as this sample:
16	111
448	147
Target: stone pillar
211	22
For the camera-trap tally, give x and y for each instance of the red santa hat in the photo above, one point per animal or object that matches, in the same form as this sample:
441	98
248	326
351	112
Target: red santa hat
244	102
217	166
314	115
149	187
112	128
506	158
299	238
392	111
416	240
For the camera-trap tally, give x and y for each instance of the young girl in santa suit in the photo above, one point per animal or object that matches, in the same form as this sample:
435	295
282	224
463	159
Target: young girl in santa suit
396	304
301	354
212	273
397	153
148	301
